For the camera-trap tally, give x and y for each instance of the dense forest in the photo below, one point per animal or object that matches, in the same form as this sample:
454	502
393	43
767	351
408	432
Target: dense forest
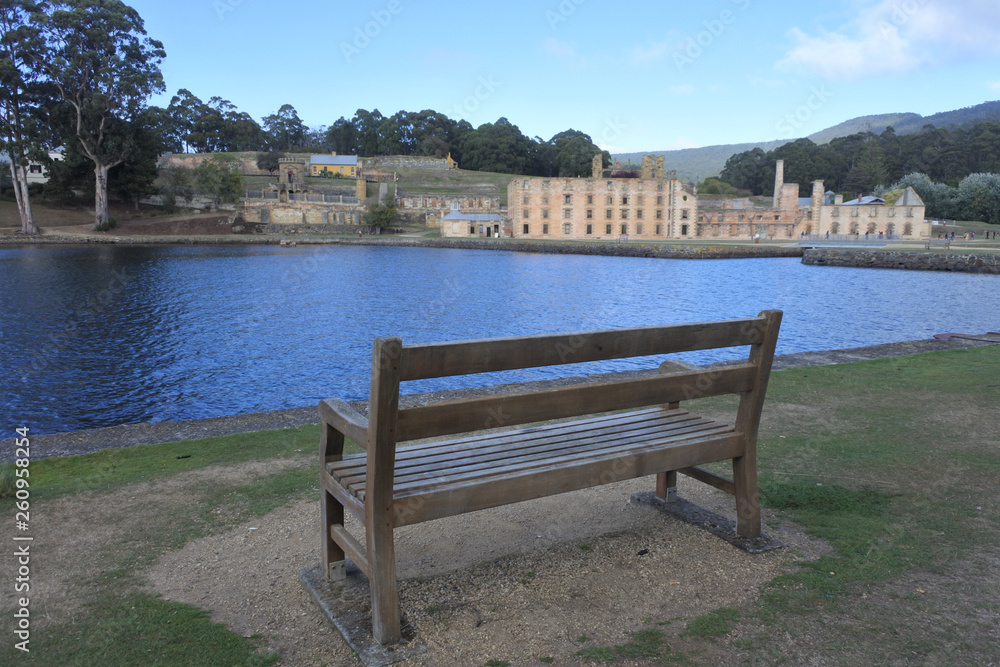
190	125
939	163
859	163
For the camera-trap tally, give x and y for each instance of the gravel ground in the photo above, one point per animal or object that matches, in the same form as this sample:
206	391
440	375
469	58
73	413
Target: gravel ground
515	583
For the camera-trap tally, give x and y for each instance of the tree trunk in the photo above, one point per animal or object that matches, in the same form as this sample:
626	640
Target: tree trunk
20	181
100	196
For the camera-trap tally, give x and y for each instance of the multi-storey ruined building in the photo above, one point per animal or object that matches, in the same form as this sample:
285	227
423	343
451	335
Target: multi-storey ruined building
654	206
823	214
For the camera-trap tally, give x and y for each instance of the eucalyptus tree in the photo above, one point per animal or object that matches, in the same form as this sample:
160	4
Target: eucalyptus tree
20	41
285	128
104	68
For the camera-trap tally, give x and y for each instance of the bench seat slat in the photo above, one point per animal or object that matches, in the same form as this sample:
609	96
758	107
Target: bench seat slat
551	455
447	451
560	477
527	449
344	496
563	455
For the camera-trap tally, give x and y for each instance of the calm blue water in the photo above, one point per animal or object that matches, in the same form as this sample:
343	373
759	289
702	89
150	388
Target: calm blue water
98	336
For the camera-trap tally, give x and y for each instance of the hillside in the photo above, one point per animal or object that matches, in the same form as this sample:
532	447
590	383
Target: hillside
875	123
696	164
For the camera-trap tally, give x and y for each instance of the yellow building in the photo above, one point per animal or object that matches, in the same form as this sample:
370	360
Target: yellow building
330	165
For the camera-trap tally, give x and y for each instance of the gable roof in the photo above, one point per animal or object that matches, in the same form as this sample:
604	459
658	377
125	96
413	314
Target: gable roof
334	160
909	198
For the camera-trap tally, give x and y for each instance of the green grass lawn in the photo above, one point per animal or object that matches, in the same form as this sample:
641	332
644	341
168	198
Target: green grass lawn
892	462
454	181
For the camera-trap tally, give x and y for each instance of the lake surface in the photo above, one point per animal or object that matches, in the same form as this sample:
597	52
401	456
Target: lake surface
107	335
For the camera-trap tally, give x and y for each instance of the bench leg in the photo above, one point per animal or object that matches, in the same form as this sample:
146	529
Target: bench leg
666	486
747	497
385	598
331	514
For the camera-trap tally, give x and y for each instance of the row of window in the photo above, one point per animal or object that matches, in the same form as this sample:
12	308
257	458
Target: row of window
569	183
740	218
640	200
871	228
873	212
623	214
567	229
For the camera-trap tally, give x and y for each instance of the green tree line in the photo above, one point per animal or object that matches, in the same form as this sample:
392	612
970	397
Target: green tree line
859	163
78	75
191	125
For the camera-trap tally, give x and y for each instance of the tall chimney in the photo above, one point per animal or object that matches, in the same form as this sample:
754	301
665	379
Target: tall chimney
779	181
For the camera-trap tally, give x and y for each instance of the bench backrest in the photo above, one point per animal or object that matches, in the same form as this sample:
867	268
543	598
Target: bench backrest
393	362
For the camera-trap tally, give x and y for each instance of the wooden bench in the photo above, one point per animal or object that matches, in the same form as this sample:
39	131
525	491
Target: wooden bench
937	243
388	486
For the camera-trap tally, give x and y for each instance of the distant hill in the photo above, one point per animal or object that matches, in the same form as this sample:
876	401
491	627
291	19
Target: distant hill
876	123
697	164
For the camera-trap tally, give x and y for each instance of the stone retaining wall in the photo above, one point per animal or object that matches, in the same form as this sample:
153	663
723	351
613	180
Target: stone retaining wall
199	202
669	251
389	162
328	229
898	259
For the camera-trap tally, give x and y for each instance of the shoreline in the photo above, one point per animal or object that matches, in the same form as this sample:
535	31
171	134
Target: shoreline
658	249
73	443
963	260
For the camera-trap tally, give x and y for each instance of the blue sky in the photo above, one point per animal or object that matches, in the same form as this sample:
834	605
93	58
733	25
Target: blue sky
634	75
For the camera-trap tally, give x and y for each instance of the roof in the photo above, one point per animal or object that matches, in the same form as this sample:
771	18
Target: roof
334	160
867	199
472	217
57	154
909	198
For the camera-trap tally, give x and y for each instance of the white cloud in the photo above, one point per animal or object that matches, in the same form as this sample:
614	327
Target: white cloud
683	89
559	48
564	51
643	54
891	36
993	86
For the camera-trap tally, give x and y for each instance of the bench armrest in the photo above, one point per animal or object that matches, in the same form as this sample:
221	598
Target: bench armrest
345	419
